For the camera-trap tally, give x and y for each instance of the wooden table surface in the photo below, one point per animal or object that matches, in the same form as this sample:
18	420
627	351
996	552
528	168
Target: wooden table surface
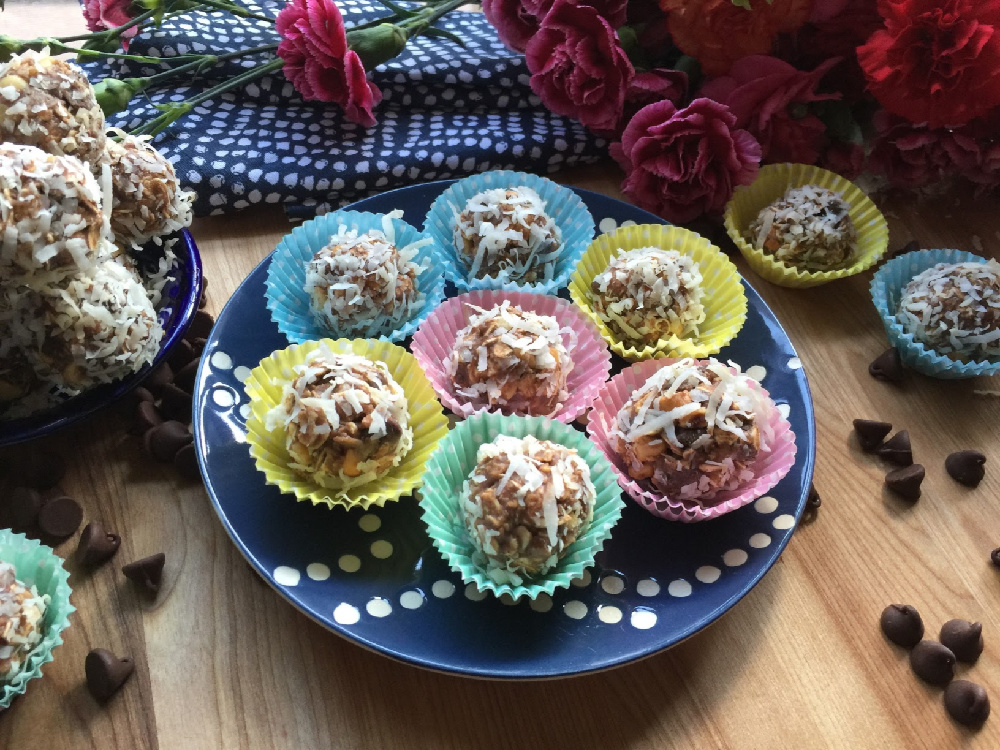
224	662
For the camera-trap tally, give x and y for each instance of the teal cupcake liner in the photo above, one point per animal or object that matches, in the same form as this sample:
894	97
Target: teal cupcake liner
454	460
286	294
561	204
37	565
887	288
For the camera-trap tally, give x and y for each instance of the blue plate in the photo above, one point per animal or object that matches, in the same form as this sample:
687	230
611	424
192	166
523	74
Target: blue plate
178	304
376	579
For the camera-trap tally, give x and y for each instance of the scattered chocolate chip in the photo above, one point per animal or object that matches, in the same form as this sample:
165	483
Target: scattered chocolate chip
41	469
106	673
995	557
140	394
199	344
186	376
967	703
147	416
964	638
163	442
146	573
871	433
203	299
906	482
897	450
158	378
910	247
813	500
23	506
97	544
59	519
181	353
902	625
201	326
887	366
175	403
933	662
51	494
966	467
186	462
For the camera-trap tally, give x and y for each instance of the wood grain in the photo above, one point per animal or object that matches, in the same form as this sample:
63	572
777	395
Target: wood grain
223	662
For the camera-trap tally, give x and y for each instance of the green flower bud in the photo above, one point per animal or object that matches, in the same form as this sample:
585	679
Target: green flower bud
114	95
9	46
378	44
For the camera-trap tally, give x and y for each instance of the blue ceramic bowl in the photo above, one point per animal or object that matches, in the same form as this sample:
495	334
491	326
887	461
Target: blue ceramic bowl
178	305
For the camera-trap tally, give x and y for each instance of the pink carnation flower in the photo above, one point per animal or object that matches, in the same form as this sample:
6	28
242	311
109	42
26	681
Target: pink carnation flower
913	156
102	15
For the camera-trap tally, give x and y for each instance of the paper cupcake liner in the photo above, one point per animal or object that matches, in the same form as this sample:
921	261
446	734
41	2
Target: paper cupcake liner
264	387
434	342
454	460
286	294
37	565
725	301
771	184
773	461
561	204
887	288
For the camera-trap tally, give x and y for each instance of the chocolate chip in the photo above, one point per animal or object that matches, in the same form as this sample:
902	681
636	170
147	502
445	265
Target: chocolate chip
175	403
871	433
902	625
964	638
813	500
181	353
897	450
966	467
906	482
199	345
97	544
201	326
158	378
22	508
186	376
60	518
910	247
186	462
995	557
163	442
41	469
887	366
967	703
106	673
933	662
146	573
147	416
140	394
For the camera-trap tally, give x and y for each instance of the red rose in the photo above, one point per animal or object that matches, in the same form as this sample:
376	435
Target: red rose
108	14
319	63
515	24
577	66
913	156
936	61
683	163
768	95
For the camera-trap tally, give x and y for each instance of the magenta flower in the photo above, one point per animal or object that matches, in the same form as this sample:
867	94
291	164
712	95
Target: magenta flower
913	156
102	15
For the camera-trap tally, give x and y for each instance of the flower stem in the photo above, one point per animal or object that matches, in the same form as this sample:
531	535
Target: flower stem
203	62
419	23
234	9
117	30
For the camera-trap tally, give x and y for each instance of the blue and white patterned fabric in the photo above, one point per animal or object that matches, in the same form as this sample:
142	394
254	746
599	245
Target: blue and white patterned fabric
446	112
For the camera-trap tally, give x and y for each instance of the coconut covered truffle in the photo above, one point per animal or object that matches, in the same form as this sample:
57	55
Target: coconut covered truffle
809	227
692	430
524	504
49	103
362	284
50	214
649	294
512	360
21	612
505	234
954	308
345	420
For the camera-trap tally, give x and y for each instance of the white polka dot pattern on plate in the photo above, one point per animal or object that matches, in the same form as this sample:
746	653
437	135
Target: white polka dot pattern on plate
349	563
443	589
583	581
647	587
318	571
795	363
679	588
783	522
381	549
411	600
575	609
346	614
286	576
474	594
241	373
766	504
607	225
612	585
708	574
378	607
223	397
784	410
245	411
643	619
608	613
221	361
541	603
757	372
759	541
735	557
369	522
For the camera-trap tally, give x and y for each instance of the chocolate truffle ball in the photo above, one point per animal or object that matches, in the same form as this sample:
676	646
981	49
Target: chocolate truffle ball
505	234
649	294
954	309
21	612
49	103
362	285
692	430
524	504
512	360
809	227
345	420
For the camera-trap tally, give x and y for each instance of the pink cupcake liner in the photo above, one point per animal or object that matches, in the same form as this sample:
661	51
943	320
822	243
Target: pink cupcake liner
774	460
435	339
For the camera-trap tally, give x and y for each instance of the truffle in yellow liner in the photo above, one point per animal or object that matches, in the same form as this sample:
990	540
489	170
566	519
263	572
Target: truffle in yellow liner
720	293
399	422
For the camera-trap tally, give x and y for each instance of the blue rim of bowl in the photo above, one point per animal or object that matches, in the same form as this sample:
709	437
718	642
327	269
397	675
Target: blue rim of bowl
74	409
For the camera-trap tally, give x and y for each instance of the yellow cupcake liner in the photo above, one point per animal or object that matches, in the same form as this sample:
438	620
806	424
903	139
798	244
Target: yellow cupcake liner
264	387
771	184
725	302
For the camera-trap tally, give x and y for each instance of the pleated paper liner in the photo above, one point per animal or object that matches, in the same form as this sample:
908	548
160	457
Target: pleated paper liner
286	294
724	300
434	342
454	461
887	288
772	183
563	205
37	565
774	459
264	387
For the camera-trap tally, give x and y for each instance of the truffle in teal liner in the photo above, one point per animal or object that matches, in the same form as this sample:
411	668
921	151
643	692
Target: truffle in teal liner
887	289
453	462
288	296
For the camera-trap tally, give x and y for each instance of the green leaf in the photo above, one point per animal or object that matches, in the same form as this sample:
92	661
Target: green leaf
436	33
398	9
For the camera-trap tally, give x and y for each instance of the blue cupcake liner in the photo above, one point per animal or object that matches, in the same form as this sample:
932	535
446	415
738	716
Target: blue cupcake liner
286	294
561	204
887	287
